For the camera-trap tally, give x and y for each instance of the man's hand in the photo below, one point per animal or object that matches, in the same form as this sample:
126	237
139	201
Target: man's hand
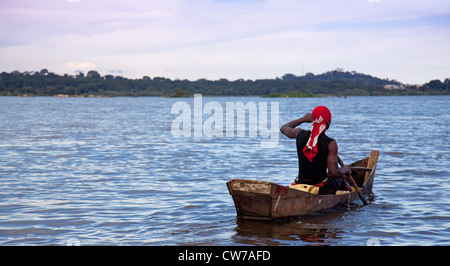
307	118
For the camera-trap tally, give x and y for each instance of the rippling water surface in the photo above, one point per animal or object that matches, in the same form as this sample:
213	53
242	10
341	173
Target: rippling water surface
108	171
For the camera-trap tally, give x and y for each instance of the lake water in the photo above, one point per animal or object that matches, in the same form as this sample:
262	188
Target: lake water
108	171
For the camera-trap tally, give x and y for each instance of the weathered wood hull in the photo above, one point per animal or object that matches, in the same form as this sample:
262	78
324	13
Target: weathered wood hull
264	200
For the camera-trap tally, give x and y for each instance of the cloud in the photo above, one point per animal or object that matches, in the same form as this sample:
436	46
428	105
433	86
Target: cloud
73	67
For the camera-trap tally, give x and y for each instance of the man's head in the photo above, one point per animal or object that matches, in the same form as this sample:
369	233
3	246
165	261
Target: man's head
321	114
321	117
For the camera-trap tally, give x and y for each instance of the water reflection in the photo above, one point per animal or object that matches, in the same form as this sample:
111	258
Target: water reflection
319	229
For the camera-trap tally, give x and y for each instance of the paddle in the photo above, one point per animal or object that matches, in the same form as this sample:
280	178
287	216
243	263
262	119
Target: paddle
353	183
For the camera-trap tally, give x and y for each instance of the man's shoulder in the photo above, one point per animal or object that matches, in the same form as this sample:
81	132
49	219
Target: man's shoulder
326	140
327	137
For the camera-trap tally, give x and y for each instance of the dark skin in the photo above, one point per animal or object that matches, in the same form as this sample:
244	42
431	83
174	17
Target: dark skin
334	171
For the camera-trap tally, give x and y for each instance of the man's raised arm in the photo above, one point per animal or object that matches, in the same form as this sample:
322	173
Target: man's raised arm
290	129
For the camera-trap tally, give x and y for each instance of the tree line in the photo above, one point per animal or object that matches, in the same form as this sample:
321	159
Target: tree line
332	83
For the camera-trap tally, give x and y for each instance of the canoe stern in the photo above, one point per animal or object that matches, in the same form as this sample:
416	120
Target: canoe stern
264	200
251	198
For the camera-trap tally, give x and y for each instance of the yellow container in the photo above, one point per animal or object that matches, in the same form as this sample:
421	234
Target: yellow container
306	188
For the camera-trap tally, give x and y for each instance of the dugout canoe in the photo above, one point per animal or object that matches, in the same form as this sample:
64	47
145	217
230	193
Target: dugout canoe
263	200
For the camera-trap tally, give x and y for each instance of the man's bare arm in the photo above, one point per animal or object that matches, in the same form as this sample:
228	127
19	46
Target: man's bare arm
290	129
333	170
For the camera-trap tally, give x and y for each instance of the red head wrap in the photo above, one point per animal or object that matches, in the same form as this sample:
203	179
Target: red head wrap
320	115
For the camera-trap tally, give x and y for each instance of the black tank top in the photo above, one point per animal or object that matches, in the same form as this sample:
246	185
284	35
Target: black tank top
315	171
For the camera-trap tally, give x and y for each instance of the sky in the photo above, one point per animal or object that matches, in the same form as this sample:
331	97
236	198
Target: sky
403	40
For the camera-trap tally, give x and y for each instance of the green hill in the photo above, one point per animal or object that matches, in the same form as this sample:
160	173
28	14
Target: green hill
332	83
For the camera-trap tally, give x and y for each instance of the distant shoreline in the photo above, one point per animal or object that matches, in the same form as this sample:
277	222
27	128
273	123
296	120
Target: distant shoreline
209	96
81	96
335	83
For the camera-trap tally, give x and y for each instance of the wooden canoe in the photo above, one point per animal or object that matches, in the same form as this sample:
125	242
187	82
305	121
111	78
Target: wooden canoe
262	200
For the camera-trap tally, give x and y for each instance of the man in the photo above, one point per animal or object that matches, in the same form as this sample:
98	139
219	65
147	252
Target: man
317	152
